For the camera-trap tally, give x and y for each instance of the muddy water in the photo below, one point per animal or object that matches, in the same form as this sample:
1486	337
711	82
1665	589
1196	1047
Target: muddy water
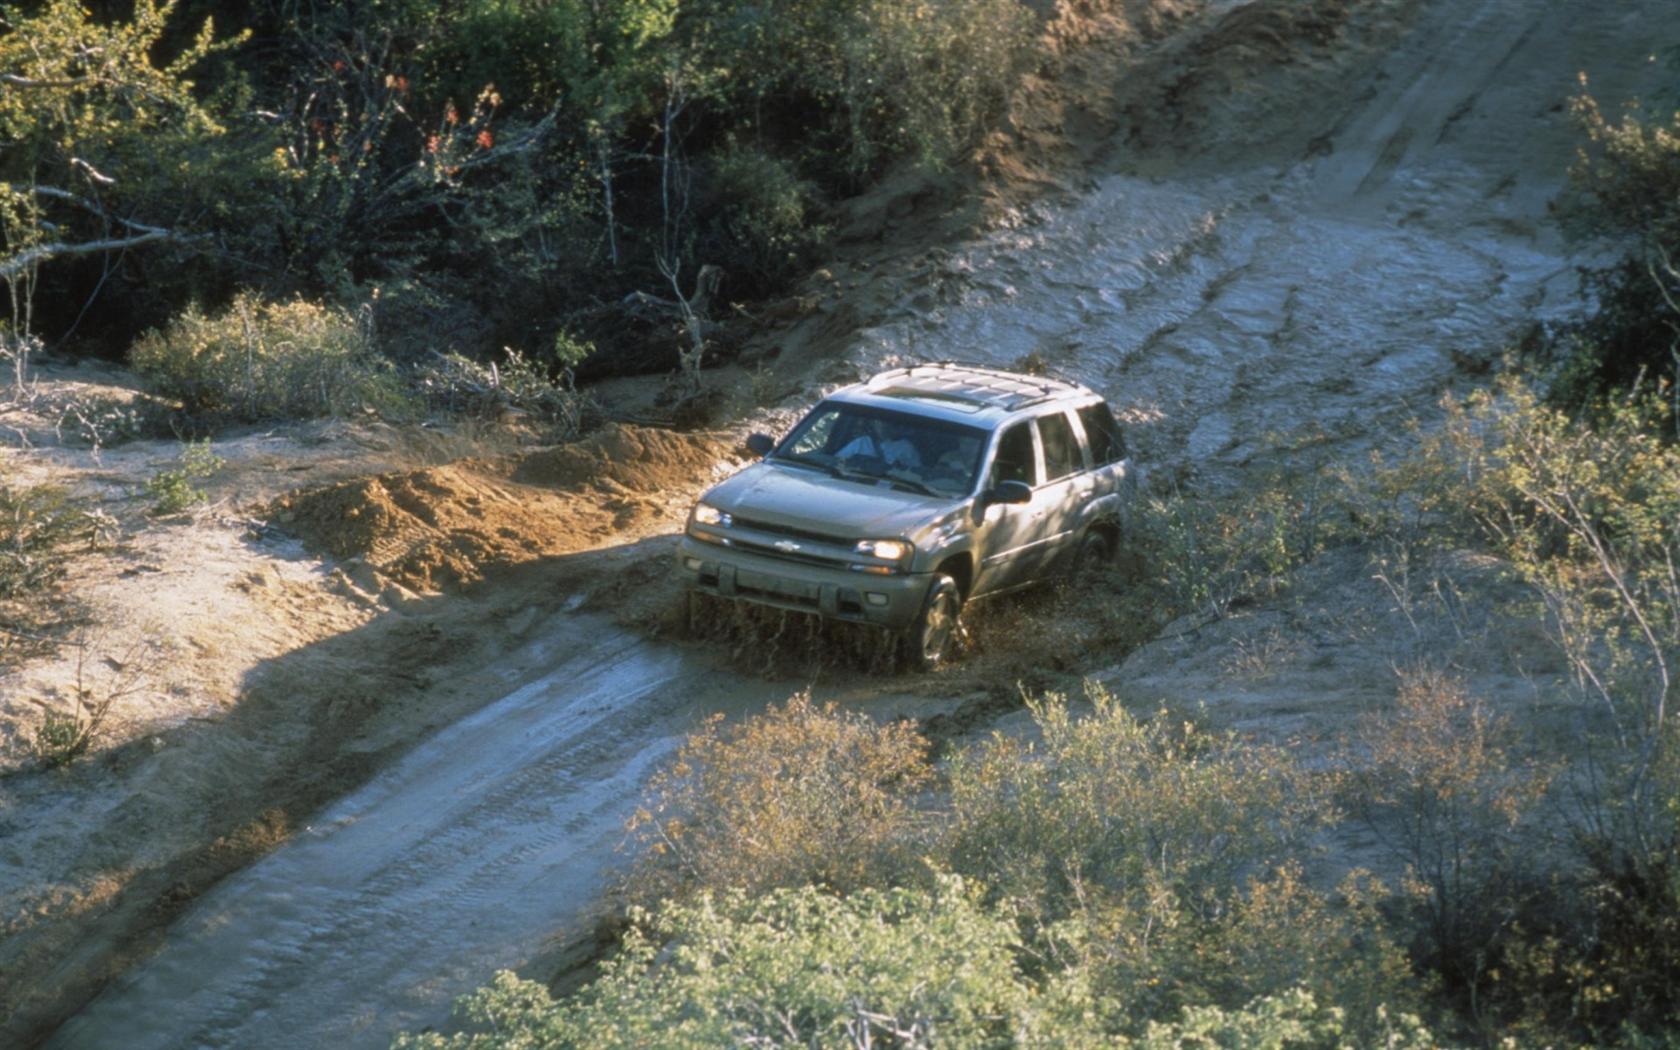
1250	309
467	856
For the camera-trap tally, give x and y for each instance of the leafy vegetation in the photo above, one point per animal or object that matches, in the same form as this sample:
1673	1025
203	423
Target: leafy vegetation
473	176
172	489
41	527
38	524
904	968
803	794
257	360
1628	182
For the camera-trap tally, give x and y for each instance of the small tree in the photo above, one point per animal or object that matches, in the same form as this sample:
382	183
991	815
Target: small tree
102	139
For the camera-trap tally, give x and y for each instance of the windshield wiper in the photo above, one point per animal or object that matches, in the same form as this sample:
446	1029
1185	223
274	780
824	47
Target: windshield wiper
815	464
896	477
914	484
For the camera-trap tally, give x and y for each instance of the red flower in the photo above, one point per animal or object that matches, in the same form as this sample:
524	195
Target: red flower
486	139
431	144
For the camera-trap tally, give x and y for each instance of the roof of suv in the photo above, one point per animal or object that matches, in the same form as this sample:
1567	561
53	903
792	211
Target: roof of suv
965	393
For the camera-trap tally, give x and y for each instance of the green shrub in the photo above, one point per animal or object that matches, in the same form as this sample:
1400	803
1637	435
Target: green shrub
799	794
1435	784
914	969
1200	552
260	360
459	385
36	525
1628	182
63	735
1155	813
1129	844
1295	1020
904	968
1586	511
765	215
172	490
925	77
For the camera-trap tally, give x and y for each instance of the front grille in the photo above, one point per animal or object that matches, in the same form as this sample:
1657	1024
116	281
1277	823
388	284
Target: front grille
786	530
768	551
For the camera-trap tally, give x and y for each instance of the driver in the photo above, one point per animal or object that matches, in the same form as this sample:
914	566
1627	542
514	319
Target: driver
885	441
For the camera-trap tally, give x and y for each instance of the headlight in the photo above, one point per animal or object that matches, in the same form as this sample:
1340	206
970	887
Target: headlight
890	550
706	514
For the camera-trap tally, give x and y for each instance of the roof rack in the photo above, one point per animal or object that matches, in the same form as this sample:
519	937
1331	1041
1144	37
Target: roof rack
1007	390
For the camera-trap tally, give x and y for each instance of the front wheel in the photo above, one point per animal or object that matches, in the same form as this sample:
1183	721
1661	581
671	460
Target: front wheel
931	640
1094	553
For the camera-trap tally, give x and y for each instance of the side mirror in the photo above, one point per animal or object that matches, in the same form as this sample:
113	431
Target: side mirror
1008	492
760	444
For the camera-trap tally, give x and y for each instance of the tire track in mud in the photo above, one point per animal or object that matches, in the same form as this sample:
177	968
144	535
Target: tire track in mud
464	857
1250	308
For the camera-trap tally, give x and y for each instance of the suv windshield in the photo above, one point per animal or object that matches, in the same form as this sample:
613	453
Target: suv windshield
923	455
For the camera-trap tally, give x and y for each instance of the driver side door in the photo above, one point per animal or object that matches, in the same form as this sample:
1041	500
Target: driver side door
1006	534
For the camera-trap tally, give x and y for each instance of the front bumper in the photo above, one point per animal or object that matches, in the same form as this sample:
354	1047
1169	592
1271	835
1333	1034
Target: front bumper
887	601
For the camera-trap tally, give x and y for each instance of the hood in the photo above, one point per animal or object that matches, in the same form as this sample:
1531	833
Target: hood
797	497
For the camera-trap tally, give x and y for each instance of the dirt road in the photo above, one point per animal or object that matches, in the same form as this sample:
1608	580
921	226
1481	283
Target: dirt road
1289	246
466	856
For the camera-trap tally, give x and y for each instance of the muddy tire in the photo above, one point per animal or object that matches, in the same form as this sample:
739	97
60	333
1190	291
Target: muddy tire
931	641
1095	553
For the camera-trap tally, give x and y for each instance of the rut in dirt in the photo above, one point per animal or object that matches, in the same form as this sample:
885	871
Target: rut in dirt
470	854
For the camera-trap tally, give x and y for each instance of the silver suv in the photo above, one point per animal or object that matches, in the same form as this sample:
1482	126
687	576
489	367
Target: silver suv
896	501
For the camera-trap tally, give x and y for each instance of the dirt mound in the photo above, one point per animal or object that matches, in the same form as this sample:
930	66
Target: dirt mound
638	459
442	526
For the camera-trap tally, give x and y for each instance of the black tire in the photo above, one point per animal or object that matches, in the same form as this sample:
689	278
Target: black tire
1095	553
931	641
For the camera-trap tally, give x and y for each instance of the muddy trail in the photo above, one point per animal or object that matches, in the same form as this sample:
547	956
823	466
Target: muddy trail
479	850
1303	223
1309	252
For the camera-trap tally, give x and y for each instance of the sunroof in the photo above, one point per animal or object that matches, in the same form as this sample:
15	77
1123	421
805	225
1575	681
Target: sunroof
951	398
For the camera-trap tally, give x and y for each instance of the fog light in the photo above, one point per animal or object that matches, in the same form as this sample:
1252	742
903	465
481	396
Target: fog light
693	564
874	599
875	570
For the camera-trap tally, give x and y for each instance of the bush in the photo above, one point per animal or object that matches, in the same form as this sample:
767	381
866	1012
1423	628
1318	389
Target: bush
765	216
1628	179
1201	553
1154	813
800	794
259	360
1130	845
62	736
925	77
457	384
172	490
1433	781
914	969
1586	511
904	968
36	525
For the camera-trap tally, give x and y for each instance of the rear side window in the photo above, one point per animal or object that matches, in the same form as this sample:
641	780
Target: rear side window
1015	456
1103	433
1061	448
